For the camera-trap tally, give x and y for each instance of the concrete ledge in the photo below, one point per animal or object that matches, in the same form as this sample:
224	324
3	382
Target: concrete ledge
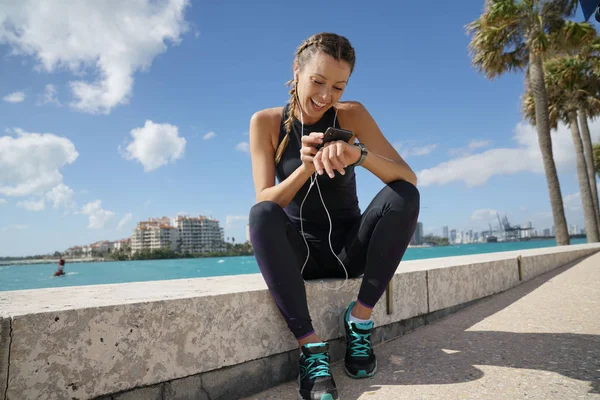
462	283
192	338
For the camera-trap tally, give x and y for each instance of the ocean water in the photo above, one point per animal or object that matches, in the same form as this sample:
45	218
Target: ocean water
36	276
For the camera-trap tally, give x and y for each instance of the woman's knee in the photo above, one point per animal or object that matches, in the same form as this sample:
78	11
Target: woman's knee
264	214
405	197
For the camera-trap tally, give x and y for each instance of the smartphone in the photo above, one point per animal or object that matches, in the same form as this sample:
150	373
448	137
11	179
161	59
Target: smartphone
333	134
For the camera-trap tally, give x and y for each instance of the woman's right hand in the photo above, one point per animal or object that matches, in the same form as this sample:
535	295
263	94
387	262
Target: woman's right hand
308	150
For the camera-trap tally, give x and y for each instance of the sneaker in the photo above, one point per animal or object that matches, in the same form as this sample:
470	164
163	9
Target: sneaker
315	380
360	361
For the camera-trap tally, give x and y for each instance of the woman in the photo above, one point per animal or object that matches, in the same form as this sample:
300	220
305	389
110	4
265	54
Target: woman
290	223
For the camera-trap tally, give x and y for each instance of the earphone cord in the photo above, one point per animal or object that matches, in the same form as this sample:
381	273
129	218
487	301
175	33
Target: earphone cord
313	180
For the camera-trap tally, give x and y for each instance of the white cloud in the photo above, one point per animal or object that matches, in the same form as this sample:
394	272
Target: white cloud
476	144
572	202
3	201
32	205
484	214
15	97
233	220
61	196
155	145
477	169
243	147
113	39
98	217
18	227
473	145
124	221
209	135
31	162
410	151
49	96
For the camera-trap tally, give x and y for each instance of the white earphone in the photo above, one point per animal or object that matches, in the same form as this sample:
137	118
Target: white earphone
313	180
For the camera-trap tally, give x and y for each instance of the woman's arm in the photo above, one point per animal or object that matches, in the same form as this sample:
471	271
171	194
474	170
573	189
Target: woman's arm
262	152
382	159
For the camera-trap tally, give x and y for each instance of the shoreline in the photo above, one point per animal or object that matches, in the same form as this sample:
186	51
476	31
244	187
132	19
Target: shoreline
50	261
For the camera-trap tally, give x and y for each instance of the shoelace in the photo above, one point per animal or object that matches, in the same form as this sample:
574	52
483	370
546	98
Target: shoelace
318	365
360	344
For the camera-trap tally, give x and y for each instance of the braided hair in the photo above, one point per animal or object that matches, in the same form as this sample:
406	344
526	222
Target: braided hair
332	44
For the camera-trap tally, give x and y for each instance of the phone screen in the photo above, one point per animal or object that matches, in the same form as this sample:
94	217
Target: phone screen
333	134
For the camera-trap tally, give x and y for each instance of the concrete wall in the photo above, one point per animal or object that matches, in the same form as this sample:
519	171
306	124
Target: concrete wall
194	338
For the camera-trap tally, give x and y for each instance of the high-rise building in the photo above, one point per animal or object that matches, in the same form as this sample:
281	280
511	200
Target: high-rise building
546	232
453	236
445	232
417	238
199	234
156	233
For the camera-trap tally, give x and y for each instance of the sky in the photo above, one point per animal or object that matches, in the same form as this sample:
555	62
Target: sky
113	112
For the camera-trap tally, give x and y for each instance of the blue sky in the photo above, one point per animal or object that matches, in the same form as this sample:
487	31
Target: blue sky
113	112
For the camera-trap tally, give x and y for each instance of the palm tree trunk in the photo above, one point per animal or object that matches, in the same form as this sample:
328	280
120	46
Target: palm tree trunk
542	122
591	226
589	161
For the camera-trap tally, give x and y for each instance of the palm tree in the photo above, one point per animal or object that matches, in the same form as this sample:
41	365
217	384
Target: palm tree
596	152
569	82
514	35
590	110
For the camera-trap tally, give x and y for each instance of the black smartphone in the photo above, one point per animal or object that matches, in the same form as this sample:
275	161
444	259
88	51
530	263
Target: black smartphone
333	134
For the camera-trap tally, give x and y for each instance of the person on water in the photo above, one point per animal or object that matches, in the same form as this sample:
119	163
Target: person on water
61	267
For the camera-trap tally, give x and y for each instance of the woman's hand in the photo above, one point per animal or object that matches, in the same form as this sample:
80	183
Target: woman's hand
335	155
308	150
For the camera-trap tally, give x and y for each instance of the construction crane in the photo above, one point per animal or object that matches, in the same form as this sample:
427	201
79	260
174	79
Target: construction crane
511	232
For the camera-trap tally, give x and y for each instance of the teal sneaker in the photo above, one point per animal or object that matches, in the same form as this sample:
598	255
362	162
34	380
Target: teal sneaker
315	381
360	361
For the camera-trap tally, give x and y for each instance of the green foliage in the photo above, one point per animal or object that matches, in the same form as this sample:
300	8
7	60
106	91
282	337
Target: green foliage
435	240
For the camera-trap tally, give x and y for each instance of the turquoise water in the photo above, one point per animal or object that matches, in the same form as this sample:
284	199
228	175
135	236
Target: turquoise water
37	276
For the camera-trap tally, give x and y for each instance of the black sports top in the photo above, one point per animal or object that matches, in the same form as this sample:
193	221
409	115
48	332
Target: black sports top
339	193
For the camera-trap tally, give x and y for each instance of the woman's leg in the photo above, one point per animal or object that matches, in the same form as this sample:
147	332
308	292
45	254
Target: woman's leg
280	252
376	245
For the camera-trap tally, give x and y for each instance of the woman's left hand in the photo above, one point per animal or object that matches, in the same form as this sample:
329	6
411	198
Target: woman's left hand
335	155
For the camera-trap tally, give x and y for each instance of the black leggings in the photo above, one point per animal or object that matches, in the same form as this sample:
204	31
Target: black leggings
373	245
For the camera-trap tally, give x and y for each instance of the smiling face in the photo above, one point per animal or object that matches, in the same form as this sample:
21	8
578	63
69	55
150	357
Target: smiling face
321	81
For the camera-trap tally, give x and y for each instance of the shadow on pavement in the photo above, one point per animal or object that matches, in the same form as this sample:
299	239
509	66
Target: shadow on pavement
449	353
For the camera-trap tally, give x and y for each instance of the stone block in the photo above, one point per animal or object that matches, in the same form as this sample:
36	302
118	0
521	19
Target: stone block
537	264
5	338
146	393
462	283
189	388
250	377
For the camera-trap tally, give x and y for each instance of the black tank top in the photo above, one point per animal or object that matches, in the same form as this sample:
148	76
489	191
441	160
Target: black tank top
339	193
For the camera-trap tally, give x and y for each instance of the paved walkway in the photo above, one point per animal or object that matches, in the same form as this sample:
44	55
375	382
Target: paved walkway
540	340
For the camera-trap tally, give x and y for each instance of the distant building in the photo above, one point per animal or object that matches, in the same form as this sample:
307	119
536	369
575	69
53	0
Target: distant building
417	238
546	232
199	234
156	233
453	236
122	244
248	233
445	232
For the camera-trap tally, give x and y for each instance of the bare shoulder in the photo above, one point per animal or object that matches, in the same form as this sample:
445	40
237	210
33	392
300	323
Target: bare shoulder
352	112
265	124
268	116
353	115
